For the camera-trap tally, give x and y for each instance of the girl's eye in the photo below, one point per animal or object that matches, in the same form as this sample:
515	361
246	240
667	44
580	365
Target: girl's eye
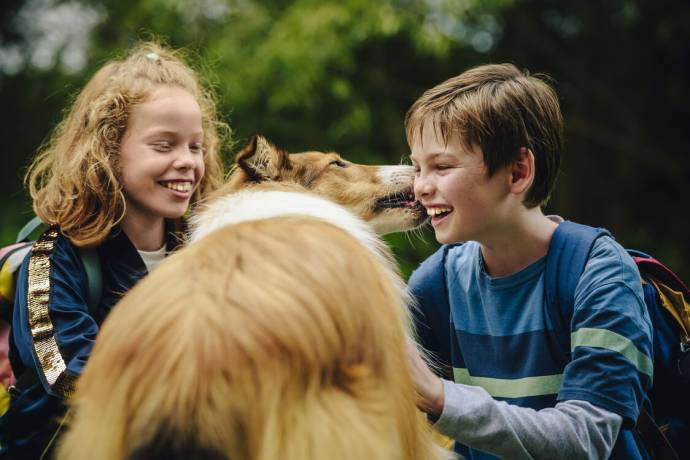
339	163
442	167
196	148
162	146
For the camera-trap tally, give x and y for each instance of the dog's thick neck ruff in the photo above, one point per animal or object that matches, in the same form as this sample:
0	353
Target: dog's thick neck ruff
267	201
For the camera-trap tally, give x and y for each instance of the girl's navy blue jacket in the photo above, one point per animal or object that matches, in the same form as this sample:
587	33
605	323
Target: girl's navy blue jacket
53	332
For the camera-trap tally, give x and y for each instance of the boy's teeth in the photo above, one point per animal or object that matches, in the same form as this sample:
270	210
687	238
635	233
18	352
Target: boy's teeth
178	186
436	211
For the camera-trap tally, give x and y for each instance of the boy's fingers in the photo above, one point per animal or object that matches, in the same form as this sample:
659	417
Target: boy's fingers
429	387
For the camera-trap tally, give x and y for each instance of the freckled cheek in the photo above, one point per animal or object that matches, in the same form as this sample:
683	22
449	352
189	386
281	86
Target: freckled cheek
473	207
200	170
464	197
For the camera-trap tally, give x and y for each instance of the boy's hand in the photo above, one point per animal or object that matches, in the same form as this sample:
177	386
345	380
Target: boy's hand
430	395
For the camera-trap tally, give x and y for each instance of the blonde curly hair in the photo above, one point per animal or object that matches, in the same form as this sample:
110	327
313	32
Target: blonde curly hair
74	180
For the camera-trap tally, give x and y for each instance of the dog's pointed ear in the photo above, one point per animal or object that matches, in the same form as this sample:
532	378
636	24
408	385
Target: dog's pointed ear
261	160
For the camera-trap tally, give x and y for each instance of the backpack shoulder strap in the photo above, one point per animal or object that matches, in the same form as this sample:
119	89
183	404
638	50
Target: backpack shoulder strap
92	265
28	229
89	257
568	253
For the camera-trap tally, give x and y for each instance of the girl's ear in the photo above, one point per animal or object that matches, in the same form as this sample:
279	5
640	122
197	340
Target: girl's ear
261	160
522	171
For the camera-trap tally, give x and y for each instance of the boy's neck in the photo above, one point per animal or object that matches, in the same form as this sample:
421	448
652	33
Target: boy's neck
145	234
520	243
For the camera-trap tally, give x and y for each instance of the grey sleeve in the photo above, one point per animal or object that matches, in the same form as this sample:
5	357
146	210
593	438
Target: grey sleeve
572	430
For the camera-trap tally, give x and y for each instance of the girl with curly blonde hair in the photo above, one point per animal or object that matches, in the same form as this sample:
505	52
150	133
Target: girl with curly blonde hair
139	146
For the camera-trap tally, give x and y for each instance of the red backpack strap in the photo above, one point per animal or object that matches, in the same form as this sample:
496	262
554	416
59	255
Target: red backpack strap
664	280
648	265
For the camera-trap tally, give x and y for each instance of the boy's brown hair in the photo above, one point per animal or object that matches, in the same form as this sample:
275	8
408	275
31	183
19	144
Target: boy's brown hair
500	109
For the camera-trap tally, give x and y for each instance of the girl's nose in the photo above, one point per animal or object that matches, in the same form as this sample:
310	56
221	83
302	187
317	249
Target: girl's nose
184	159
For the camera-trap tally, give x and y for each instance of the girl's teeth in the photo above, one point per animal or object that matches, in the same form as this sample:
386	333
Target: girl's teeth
178	186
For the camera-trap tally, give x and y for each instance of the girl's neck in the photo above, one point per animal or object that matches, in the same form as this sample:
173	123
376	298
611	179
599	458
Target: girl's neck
519	244
145	234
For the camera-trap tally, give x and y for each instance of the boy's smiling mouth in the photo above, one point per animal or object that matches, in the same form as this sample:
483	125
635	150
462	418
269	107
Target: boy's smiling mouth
438	214
438	211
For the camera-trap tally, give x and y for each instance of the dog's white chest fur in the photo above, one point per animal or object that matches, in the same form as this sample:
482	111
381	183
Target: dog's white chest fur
250	205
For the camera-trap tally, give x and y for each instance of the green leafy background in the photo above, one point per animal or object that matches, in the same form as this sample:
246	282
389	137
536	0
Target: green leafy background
340	75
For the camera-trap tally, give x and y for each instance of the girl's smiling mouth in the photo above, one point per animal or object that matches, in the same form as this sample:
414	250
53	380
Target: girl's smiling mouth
180	186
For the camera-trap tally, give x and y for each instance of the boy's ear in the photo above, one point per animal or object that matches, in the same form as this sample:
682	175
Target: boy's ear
261	160
522	173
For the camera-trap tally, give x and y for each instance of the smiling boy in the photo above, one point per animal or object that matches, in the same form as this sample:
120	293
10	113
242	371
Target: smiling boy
486	147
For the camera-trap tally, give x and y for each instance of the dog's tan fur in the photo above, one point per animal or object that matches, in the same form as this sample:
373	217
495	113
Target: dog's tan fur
380	195
270	339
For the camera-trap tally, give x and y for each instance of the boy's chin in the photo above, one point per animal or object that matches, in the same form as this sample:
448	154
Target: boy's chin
443	239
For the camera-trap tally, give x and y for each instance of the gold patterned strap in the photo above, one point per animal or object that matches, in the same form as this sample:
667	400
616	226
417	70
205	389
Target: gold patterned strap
40	324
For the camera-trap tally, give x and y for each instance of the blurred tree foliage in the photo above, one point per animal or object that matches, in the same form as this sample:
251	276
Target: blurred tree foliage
340	75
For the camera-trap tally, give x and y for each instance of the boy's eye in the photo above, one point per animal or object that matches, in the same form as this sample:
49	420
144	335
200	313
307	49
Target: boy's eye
442	166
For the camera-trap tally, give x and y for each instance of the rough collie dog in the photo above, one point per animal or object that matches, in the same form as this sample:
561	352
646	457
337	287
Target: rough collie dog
267	181
367	201
271	339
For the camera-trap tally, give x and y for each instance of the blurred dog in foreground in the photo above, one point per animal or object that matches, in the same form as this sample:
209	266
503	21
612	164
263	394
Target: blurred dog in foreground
271	339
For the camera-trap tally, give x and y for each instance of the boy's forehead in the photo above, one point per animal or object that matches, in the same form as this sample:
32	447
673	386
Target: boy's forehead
426	132
427	156
432	132
430	143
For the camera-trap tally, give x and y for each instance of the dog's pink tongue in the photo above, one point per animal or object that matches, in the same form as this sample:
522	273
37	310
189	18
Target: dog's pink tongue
412	204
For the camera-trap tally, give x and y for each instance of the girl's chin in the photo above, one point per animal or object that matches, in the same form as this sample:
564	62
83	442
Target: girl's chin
175	211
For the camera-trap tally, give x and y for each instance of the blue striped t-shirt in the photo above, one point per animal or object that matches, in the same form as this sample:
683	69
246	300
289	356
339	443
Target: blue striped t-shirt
502	338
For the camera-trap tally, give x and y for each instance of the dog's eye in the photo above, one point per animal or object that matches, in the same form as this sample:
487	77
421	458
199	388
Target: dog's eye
339	163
